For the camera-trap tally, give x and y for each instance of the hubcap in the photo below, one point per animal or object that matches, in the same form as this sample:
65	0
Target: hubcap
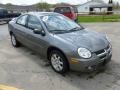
13	40
57	62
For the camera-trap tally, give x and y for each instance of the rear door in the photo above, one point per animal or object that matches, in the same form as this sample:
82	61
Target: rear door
20	27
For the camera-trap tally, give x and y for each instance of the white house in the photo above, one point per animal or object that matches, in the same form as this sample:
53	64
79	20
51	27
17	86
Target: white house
93	6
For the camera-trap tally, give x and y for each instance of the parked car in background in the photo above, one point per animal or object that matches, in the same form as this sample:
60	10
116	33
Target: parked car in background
5	16
68	11
63	42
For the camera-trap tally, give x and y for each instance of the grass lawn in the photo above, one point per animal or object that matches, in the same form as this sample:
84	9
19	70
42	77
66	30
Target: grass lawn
99	18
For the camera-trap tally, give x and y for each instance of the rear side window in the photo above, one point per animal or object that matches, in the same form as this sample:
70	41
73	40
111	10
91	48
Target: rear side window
62	10
22	20
33	22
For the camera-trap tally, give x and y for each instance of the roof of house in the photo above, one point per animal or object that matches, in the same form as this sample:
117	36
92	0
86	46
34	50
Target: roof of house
100	4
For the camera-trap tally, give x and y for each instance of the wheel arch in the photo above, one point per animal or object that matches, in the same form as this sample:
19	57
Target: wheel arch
55	48
10	32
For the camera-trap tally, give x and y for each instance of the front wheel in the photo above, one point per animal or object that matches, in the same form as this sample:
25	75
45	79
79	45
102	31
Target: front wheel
14	41
58	62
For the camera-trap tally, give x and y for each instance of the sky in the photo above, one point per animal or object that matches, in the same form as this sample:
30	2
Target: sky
29	2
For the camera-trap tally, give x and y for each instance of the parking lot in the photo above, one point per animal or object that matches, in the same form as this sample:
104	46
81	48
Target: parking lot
24	69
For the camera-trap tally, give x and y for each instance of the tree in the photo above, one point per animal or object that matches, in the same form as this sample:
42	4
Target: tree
117	5
8	4
43	5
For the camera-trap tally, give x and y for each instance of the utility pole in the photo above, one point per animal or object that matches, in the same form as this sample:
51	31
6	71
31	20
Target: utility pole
110	8
110	1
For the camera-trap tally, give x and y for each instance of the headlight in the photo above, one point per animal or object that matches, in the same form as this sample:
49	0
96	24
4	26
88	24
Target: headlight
84	53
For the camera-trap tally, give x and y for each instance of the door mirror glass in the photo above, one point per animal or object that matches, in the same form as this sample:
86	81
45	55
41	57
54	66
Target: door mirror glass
39	31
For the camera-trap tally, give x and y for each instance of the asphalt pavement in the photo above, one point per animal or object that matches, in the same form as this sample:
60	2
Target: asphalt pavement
26	70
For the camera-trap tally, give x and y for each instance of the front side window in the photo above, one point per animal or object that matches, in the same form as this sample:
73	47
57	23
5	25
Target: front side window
60	23
22	20
33	22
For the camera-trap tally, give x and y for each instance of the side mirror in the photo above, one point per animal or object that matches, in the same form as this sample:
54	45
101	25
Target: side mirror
39	31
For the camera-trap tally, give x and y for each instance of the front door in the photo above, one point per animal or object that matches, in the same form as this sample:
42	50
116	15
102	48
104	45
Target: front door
36	41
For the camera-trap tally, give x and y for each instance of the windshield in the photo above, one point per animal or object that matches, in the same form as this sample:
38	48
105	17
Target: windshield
60	23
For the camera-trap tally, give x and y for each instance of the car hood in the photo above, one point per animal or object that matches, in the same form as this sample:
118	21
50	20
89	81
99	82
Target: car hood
86	38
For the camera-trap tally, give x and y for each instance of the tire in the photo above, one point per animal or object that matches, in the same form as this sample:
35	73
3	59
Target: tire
58	62
14	41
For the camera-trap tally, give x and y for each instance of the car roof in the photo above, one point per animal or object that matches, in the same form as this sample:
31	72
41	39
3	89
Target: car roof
42	13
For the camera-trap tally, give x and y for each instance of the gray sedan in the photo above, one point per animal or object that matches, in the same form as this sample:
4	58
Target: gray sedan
60	40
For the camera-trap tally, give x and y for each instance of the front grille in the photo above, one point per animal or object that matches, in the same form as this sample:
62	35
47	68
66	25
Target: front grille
102	57
103	53
99	52
107	47
109	51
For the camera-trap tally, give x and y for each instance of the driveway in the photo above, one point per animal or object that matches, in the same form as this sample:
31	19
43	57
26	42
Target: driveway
24	69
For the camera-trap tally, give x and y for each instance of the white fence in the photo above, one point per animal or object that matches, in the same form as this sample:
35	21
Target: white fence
99	13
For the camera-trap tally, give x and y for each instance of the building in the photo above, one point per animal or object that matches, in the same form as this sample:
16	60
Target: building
94	7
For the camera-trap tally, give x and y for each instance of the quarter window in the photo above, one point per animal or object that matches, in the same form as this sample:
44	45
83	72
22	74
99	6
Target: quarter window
22	20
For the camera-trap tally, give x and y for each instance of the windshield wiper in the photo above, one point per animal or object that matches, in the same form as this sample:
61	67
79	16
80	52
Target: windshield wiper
75	29
59	31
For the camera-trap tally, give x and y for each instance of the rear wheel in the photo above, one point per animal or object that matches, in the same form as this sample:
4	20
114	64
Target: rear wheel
14	41
58	62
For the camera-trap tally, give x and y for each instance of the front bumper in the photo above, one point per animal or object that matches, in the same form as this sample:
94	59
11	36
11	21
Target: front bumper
95	62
